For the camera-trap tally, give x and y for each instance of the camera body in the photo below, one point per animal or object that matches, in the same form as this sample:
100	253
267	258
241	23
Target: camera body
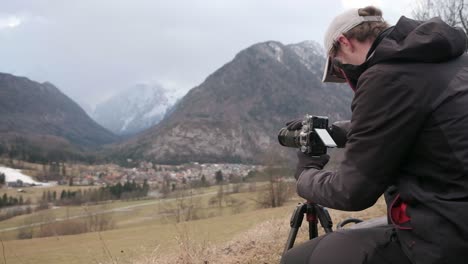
312	139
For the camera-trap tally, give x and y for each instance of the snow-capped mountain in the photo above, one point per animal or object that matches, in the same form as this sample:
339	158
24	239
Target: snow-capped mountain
135	109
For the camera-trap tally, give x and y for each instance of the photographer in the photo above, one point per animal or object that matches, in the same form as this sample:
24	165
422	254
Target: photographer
409	129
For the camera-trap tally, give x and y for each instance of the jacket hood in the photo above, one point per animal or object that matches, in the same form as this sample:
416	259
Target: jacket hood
430	41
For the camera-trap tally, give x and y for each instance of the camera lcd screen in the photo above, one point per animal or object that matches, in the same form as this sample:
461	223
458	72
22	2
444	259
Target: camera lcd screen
325	137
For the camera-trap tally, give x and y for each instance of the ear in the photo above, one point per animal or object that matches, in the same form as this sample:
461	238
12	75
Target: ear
345	43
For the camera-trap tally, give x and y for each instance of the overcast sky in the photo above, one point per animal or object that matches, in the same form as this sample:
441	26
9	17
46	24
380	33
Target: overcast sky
92	49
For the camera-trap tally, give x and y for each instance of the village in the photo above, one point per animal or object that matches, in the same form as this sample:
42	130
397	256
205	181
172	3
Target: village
156	174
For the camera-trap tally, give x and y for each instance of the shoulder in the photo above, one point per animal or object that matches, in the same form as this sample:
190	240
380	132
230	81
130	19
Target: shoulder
382	73
387	83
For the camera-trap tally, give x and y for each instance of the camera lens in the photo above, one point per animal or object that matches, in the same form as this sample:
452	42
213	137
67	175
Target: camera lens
289	138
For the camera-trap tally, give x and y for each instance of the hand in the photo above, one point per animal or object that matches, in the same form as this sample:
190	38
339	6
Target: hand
295	124
306	162
339	132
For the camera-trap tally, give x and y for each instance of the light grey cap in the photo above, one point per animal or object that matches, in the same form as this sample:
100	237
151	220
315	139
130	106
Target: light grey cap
342	24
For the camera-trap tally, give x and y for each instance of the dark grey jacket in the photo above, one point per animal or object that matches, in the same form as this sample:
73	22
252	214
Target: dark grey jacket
409	128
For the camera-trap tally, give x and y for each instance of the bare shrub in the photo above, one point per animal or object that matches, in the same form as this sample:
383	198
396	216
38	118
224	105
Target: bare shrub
42	205
186	207
279	188
70	227
95	223
453	12
25	233
49	226
12	212
277	192
99	222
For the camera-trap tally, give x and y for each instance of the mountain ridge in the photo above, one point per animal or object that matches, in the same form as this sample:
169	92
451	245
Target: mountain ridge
234	115
36	118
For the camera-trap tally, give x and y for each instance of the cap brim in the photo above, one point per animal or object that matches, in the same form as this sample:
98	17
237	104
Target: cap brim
329	73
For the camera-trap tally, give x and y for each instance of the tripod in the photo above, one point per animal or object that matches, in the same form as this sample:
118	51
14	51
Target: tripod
314	213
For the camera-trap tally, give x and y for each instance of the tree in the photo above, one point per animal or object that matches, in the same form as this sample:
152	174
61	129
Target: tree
64	170
63	195
219	177
453	12
145	187
278	191
117	190
127	187
165	189
203	180
5	199
49	196
2	178
134	185
2	149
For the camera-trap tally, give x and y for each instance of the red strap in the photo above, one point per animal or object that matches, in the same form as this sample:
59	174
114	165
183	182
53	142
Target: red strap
403	216
398	213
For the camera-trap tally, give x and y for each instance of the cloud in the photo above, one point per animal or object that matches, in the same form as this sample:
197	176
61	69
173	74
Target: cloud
92	49
10	22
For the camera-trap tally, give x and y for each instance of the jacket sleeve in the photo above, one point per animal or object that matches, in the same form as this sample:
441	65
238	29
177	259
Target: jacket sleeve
386	118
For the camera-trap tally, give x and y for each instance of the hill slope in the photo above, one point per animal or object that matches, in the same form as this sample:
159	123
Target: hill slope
235	114
35	118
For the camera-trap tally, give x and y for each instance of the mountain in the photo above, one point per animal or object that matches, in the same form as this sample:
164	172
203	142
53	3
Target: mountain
235	114
38	117
134	109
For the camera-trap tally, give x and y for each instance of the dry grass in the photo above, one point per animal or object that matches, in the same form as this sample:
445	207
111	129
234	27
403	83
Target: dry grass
262	244
255	236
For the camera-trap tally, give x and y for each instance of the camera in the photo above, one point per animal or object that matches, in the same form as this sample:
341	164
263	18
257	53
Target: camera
312	139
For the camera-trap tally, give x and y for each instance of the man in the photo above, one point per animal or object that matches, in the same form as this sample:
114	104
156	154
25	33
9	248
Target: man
409	129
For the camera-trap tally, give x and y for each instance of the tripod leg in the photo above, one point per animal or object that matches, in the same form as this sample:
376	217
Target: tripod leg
324	218
295	223
291	239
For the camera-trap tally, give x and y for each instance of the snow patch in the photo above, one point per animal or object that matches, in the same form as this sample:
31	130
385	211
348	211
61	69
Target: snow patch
310	53
278	51
137	108
126	123
158	109
13	175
